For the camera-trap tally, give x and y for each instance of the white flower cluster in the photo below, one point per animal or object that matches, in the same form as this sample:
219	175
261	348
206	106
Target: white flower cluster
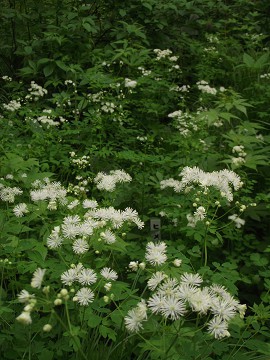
156	253
108	181
13	105
223	180
161	54
185	122
8	193
174	298
7	78
205	88
36	91
240	159
108	107
51	191
116	218
67	82
183	88
198	215
20	209
96	219
86	277
144	71
130	83
81	162
265	76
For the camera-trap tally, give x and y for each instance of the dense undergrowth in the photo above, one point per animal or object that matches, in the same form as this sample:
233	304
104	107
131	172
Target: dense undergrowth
134	187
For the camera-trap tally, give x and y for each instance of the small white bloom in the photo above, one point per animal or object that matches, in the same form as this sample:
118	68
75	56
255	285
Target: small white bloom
87	277
38	278
133	265
80	246
84	296
47	327
218	327
24	296
109	274
24	318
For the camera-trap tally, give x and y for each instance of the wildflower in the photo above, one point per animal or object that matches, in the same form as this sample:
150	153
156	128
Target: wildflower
90	204
218	327
87	277
130	83
142	265
200	301
24	296
155	253
38	278
177	262
58	302
8	193
133	265
80	246
108	237
200	213
191	279
69	276
155	303
225	309
173	308
84	296
135	317
47	327
108	286
156	279
24	318
109	274
73	204
237	220
54	240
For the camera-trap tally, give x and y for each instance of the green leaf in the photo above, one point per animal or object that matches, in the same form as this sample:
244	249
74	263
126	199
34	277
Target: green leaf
48	70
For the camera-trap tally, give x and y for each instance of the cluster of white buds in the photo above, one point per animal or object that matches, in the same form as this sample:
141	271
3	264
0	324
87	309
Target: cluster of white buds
13	105
240	159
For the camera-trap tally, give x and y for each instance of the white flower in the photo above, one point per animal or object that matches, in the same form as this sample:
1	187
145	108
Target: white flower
80	246
156	279
90	204
84	296
237	220
173	308
200	301
135	317
108	237
20	209
130	83
38	278
69	276
200	213
87	277
225	309
47	328
155	303
218	327
191	279
155	253
73	204
108	286
24	318
25	297
108	274
133	265
177	262
54	240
